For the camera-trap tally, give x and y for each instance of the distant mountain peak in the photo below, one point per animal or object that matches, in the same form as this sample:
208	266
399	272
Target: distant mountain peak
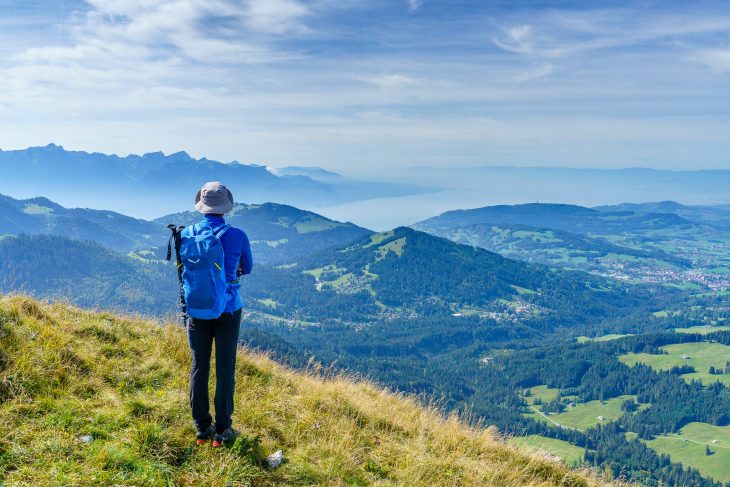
52	147
181	155
42	201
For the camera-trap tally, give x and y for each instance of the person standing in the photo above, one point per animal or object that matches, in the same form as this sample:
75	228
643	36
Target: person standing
214	200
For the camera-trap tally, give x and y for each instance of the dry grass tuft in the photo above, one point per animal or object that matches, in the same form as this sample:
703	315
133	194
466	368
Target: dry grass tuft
66	373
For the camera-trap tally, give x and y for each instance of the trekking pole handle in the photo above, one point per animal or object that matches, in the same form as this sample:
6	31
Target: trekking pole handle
176	229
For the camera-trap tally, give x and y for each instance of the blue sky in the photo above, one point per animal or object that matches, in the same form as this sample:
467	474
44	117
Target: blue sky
366	86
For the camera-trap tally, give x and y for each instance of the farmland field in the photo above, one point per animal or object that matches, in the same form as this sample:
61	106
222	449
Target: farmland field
604	338
692	452
583	415
700	355
544	393
702	330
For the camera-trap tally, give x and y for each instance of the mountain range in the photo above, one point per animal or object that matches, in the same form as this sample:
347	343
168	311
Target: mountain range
153	184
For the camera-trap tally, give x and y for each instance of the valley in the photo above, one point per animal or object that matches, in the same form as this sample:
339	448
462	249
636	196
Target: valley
478	330
652	243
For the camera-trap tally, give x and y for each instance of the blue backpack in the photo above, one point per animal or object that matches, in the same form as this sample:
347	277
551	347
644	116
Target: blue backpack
203	274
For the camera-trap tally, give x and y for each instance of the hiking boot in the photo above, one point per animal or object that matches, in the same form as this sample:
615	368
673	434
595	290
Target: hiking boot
227	436
203	436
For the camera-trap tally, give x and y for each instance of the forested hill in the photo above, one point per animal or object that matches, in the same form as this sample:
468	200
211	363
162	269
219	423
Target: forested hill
571	218
281	233
662	243
401	274
717	216
43	216
85	274
418	274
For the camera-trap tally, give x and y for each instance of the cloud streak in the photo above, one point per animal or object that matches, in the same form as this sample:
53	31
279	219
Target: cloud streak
354	84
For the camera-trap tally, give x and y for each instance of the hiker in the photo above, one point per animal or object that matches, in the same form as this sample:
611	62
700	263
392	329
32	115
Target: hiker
213	301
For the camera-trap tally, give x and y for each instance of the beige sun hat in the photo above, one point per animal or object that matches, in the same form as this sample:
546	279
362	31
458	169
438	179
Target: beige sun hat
215	198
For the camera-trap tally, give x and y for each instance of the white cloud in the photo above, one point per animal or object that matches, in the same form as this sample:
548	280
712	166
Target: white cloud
272	80
558	33
390	81
717	60
414	5
204	30
276	16
517	39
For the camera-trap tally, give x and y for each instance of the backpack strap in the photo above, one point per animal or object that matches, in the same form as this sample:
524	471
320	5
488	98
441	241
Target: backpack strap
219	233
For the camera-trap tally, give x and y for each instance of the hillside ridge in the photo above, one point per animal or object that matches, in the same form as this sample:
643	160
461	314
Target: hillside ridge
107	397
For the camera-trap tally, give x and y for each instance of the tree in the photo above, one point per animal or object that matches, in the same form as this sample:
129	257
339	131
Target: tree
629	406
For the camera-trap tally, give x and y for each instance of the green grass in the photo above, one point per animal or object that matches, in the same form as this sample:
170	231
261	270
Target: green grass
396	246
542	237
719	270
379	237
269	303
604	338
343	280
702	330
66	372
138	256
580	259
685	286
585	415
569	453
691	453
34	209
522	290
713	294
315	224
317	273
701	356
544	393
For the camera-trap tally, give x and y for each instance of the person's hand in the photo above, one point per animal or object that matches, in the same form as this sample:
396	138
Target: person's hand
240	269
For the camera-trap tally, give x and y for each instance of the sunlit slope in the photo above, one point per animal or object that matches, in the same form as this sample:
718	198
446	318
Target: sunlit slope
98	399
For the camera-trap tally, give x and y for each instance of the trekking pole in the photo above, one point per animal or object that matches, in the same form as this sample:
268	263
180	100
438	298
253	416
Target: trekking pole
175	238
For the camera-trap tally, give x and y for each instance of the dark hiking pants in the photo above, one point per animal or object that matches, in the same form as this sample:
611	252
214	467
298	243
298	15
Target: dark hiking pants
201	335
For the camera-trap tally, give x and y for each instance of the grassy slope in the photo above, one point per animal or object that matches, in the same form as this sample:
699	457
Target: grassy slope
66	372
585	415
691	453
571	454
701	355
702	330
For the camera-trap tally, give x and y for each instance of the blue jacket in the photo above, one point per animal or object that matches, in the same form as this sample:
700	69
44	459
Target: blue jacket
237	249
